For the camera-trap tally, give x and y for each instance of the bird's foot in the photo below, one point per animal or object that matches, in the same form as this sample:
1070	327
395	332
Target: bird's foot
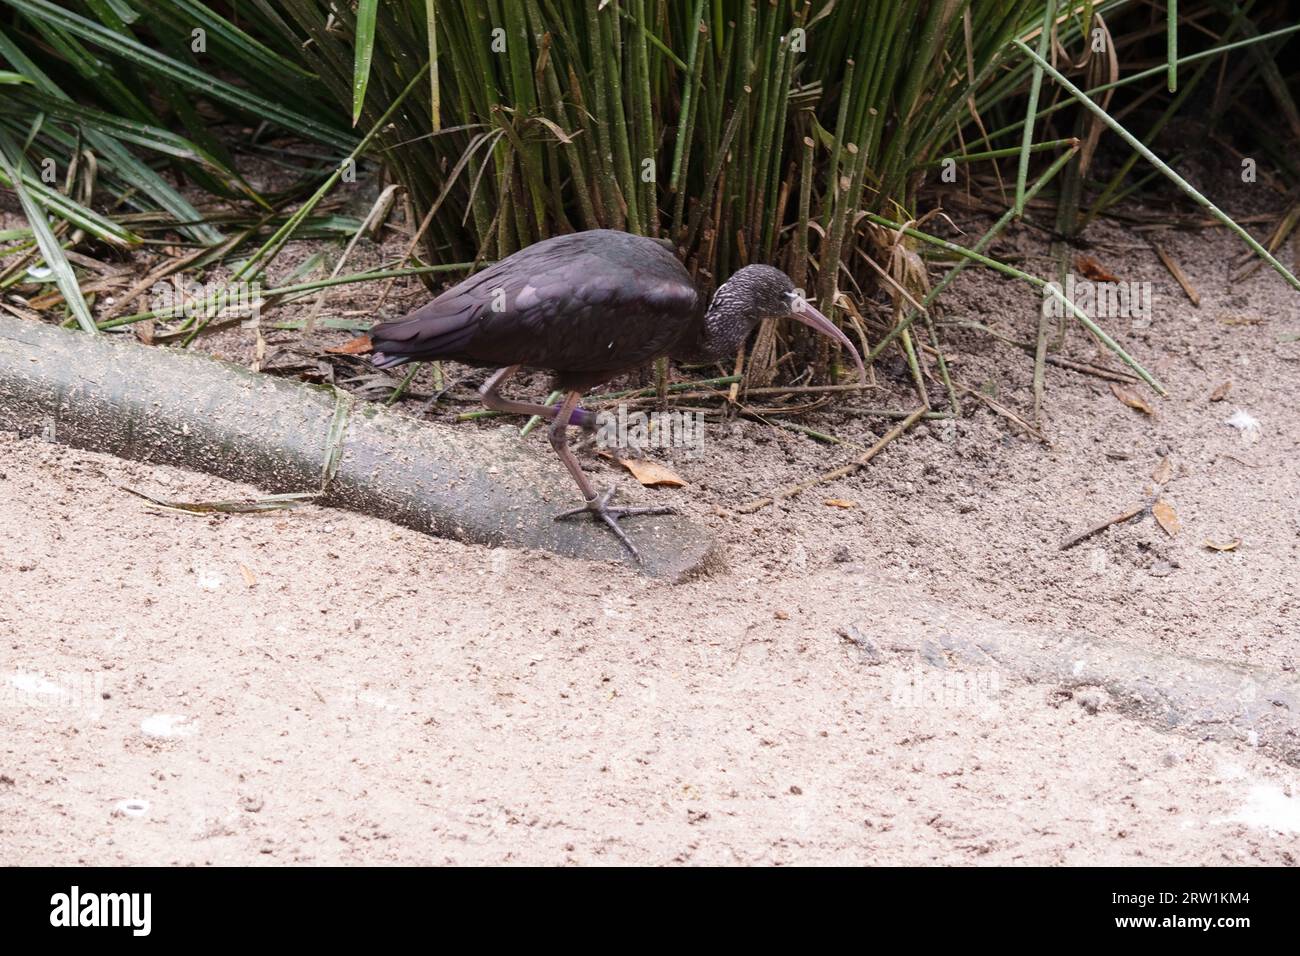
600	508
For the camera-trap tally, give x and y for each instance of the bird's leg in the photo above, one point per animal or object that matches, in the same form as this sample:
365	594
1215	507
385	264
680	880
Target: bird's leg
489	394
597	505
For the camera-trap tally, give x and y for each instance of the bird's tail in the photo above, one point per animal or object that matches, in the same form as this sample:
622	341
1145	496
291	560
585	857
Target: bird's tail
431	332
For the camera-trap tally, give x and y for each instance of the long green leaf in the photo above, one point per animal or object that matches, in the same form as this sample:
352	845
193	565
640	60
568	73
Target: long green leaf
51	250
1035	84
364	47
190	77
77	215
142	134
136	174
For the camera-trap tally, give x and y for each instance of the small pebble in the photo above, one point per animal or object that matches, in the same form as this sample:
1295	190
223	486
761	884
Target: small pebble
1089	700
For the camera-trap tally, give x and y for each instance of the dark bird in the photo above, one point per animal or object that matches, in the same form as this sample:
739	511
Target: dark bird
588	306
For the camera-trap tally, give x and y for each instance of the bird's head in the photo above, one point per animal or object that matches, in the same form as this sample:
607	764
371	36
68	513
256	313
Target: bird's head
760	292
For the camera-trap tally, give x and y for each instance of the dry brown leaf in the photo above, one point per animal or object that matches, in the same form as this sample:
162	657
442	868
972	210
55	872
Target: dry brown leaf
1224	546
651	472
250	579
1090	268
358	346
1131	398
1167	518
1164	471
1221	392
840	503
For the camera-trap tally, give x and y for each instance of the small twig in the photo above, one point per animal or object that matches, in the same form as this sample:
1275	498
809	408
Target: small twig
786	409
760	415
738	373
1004	412
1082	368
1087	533
1176	271
1284	227
808	389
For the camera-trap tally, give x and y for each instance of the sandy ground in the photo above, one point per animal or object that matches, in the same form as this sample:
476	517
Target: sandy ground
318	687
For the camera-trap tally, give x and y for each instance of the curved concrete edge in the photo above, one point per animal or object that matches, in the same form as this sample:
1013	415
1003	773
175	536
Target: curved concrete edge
107	394
1195	697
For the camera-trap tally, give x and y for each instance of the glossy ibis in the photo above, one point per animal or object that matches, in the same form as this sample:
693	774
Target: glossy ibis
587	306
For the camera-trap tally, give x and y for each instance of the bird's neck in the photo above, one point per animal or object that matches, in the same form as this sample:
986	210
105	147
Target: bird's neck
718	332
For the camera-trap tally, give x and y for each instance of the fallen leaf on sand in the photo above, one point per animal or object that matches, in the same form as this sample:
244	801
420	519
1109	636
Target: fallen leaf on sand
840	503
358	346
1221	392
651	472
1167	518
1223	545
1164	471
254	506
1090	268
1132	399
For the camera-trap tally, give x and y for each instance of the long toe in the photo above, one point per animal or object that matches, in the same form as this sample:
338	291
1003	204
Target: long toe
600	508
620	512
573	513
611	522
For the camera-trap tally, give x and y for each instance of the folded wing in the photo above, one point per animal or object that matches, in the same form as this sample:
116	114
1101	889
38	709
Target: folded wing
579	306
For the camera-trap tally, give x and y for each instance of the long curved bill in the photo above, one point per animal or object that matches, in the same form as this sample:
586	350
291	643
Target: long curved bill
801	310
